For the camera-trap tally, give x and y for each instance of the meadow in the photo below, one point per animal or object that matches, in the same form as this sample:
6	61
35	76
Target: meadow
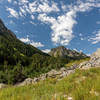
81	85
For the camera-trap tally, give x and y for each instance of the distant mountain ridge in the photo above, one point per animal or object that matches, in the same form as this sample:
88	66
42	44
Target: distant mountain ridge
63	52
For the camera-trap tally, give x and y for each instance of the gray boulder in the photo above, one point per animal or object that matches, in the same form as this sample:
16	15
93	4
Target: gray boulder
2	85
25	82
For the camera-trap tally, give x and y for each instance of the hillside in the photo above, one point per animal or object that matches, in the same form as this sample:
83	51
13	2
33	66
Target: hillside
63	52
10	46
19	60
81	85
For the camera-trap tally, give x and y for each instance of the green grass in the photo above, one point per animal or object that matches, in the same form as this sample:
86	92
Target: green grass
81	85
76	62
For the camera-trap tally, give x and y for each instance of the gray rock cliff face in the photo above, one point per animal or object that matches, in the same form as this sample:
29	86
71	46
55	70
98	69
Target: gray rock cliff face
63	52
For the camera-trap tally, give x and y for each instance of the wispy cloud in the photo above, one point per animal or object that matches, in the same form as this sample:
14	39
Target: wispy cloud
46	50
9	1
43	7
13	13
37	44
98	22
22	11
32	17
25	40
96	39
31	42
23	1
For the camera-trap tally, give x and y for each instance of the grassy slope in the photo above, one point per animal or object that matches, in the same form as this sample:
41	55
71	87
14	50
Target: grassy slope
77	62
82	85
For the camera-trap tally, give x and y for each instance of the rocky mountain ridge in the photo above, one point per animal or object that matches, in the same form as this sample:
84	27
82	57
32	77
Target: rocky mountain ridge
63	52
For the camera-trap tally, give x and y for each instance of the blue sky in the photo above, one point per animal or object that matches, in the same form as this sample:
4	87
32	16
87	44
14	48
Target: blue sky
46	24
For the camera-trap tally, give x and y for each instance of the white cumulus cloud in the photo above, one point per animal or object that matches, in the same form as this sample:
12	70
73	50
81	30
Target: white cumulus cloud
61	27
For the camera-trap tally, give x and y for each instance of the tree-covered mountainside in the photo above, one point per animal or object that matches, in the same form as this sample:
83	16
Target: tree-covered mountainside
19	60
11	49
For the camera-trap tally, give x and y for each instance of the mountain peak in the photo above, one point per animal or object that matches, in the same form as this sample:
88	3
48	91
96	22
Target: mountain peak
61	51
5	31
2	26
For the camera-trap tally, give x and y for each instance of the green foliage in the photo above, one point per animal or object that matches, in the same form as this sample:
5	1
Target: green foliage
79	86
19	61
72	62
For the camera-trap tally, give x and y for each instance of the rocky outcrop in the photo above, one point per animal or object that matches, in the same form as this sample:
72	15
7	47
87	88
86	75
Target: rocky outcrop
25	82
93	62
63	52
59	74
2	85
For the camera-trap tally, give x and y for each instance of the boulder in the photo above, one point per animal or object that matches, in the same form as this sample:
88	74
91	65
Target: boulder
25	82
2	85
53	73
63	69
36	79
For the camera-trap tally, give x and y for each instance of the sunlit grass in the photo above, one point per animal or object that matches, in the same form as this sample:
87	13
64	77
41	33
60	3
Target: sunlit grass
76	62
81	85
